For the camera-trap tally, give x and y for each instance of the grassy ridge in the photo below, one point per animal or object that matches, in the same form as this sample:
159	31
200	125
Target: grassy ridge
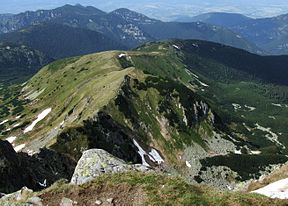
148	189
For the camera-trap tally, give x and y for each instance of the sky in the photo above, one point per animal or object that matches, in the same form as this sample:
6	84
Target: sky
160	9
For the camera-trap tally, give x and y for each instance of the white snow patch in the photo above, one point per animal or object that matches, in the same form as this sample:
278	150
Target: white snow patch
18	117
271	117
203	84
19	147
195	45
271	135
255	152
276	105
153	155
277	189
16	125
44	184
141	152
238	152
175	46
11	139
244	124
188	164
39	118
156	156
236	106
3	122
250	108
122	55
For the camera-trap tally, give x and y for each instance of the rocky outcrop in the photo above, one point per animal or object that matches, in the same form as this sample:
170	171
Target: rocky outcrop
9	200
101	132
95	162
35	172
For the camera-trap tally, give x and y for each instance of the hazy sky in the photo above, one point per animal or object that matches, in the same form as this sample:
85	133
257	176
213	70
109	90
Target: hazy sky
160	8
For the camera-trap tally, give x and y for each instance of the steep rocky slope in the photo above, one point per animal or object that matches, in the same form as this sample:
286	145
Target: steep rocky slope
36	172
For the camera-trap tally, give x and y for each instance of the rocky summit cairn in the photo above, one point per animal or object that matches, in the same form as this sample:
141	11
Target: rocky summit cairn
95	162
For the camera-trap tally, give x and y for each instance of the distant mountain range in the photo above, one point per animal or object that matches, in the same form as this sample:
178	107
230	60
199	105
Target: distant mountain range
126	27
59	41
216	18
270	34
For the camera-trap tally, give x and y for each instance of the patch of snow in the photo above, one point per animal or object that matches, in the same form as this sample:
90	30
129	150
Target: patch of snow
236	106
141	152
188	164
238	152
18	117
3	122
34	95
175	46
195	45
153	155
121	55
39	118
244	124
61	124
30	152
271	117
156	156
11	139
277	189
276	105
238	36
271	135
44	184
250	108
16	125
203	84
256	152
19	147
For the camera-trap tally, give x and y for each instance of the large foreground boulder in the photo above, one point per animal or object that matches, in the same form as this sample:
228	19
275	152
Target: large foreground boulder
95	162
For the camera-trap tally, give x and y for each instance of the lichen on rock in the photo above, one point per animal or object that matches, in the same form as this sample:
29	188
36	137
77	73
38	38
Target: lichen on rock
95	162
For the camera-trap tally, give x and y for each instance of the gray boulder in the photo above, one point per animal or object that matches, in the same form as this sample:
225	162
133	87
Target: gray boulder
8	200
95	162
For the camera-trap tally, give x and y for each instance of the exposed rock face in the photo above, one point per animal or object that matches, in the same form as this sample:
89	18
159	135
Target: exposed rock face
102	132
35	172
95	162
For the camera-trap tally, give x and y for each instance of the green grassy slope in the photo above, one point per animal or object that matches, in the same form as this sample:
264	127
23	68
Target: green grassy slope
227	76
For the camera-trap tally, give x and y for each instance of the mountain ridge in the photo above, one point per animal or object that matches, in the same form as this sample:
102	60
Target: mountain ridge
128	27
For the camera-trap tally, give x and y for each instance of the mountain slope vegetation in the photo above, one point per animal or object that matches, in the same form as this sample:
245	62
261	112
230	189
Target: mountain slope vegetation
161	105
19	62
